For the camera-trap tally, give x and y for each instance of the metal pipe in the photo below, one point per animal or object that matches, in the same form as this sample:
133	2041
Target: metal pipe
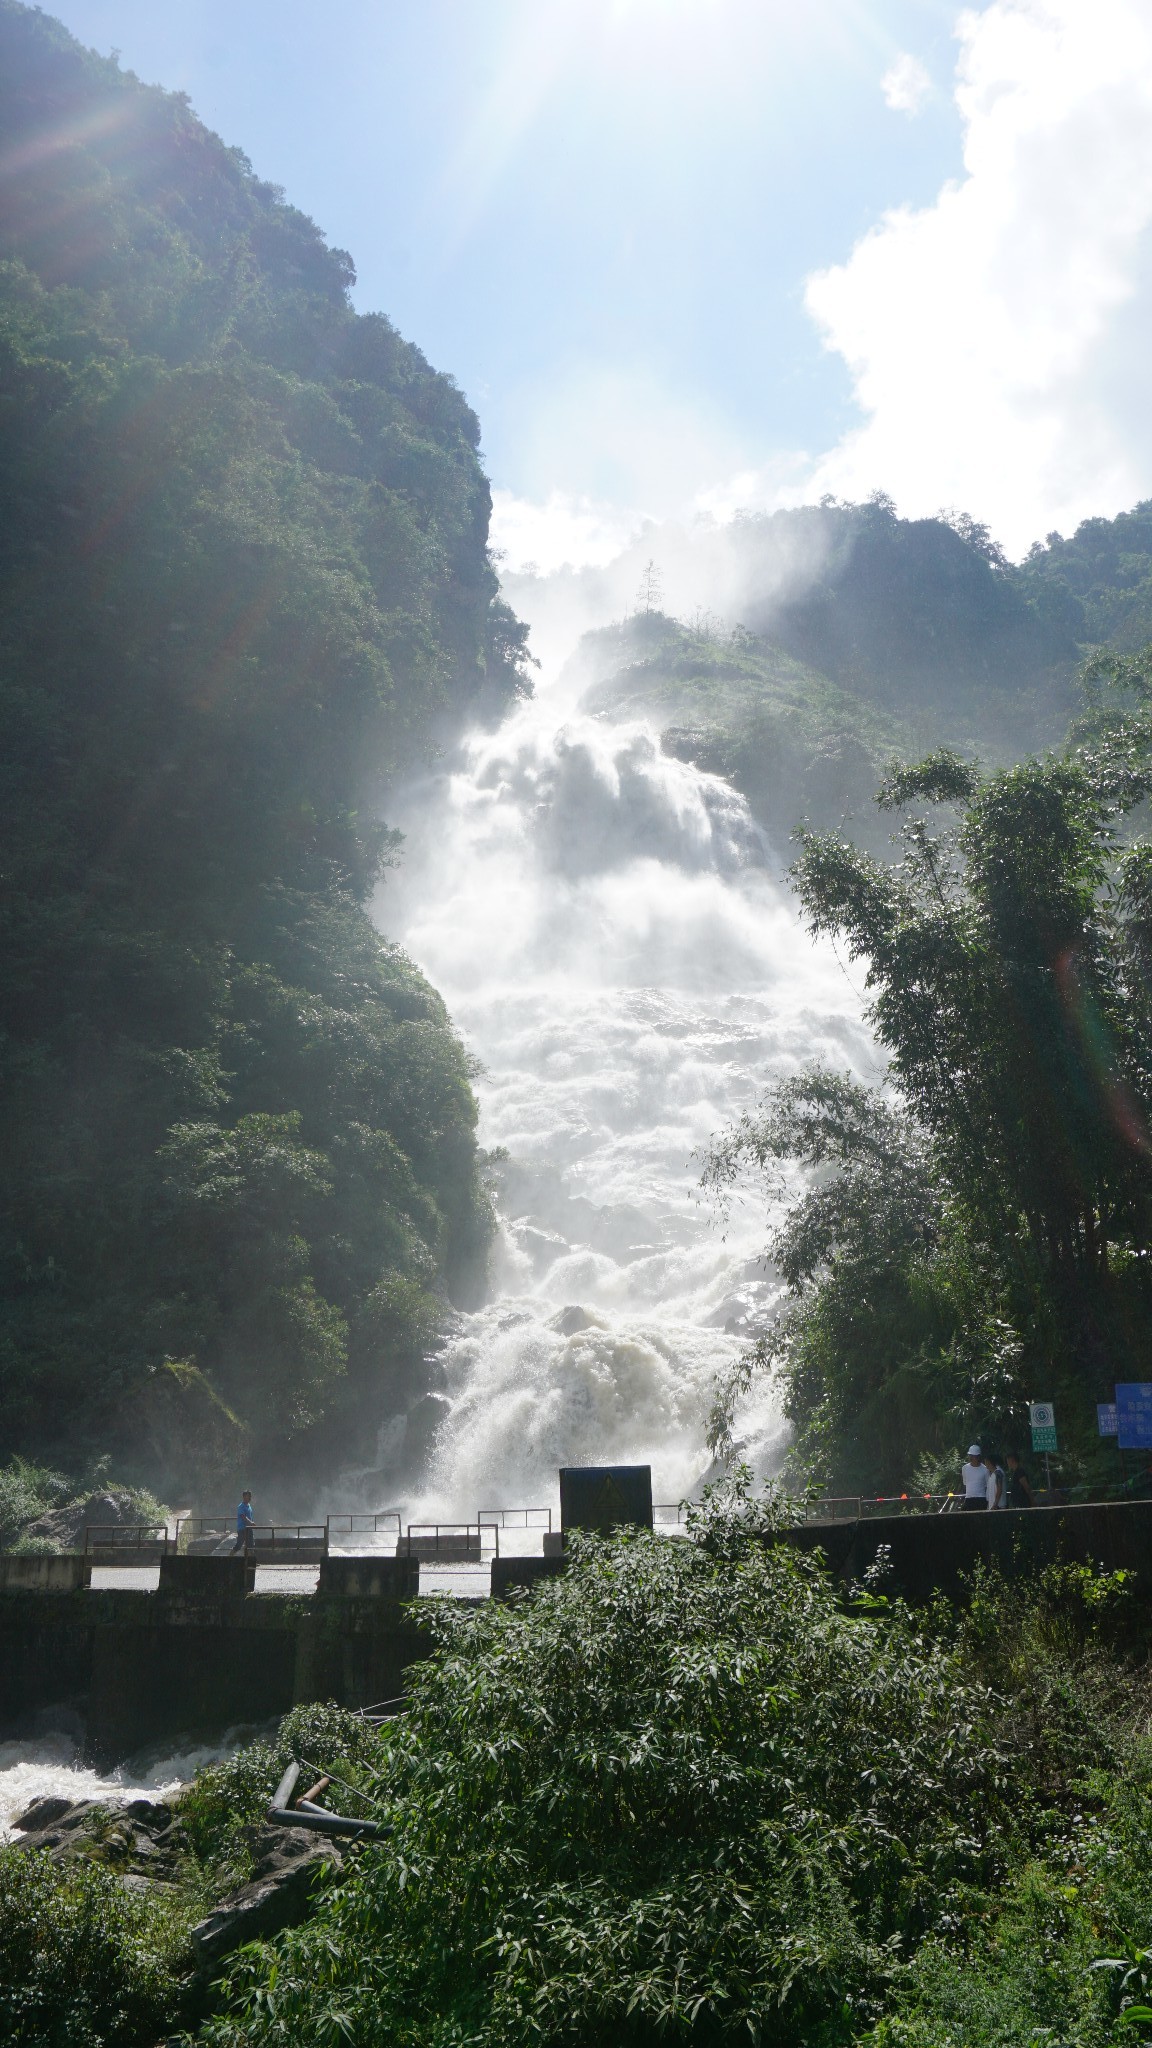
325	1823
287	1786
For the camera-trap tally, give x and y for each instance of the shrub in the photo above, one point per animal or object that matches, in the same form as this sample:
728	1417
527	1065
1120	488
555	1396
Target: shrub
228	1797
678	1795
25	1492
83	1963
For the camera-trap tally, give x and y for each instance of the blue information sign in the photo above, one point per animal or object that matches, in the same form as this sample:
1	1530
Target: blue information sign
1106	1422
1134	1416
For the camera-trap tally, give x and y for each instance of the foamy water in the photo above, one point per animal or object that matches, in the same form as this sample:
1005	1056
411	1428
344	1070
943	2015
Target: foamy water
52	1764
615	943
613	937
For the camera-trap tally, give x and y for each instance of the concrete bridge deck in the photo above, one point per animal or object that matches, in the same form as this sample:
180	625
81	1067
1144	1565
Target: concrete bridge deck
202	1653
206	1650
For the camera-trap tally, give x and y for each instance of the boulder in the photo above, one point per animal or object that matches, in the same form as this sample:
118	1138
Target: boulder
288	1862
141	1842
144	1845
53	1823
42	1813
65	1526
568	1322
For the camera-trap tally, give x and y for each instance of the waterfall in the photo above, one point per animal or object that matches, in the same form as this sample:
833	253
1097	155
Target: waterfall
617	944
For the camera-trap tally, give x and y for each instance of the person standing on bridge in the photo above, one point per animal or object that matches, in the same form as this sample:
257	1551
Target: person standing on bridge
245	1526
975	1481
1019	1485
995	1483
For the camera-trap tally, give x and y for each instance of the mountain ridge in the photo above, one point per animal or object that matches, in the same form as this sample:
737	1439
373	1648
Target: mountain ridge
245	583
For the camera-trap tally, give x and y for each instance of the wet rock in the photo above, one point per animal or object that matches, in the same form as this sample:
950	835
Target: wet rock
541	1245
43	1812
280	1893
141	1841
65	1526
144	1845
152	1813
568	1322
424	1419
50	1823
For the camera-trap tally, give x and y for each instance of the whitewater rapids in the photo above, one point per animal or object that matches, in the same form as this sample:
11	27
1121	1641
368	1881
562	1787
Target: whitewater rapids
617	945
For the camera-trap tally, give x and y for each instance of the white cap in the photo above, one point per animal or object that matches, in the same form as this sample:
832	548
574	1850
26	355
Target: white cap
974	1451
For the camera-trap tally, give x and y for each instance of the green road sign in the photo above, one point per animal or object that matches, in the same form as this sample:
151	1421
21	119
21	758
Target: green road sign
1042	1417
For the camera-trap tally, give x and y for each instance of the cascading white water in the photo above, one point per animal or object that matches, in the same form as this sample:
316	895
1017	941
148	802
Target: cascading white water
610	931
614	940
53	1763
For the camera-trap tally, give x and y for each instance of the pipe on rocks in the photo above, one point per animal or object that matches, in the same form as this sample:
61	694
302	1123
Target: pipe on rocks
325	1823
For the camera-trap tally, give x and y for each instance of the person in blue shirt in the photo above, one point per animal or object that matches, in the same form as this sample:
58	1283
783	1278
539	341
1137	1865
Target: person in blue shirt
245	1526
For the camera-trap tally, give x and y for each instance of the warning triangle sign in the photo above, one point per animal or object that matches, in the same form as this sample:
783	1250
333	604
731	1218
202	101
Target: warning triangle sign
608	1505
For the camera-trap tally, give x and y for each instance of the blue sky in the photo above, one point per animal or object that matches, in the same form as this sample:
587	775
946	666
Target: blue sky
604	218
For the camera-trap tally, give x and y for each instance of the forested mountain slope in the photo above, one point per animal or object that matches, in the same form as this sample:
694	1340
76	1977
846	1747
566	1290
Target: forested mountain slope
1101	578
861	637
243	579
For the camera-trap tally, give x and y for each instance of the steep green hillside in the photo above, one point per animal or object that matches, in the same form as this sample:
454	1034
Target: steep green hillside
1101	579
863	636
794	743
243	579
923	616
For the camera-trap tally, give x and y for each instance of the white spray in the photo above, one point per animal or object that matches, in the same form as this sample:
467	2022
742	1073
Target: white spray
615	942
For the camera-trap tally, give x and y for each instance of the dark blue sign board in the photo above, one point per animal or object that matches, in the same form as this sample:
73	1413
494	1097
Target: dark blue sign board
1134	1416
1106	1423
601	1497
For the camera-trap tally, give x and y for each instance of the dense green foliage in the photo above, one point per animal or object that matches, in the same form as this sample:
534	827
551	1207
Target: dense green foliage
88	1961
647	1808
1101	578
986	1239
83	1963
894	1340
26	1491
243	581
693	1793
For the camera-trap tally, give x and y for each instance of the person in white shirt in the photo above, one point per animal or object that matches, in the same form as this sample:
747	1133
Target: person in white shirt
975	1480
995	1482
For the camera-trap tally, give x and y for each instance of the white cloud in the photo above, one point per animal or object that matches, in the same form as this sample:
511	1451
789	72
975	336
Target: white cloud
997	339
906	84
563	529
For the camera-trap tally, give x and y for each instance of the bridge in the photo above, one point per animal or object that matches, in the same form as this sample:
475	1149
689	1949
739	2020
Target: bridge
203	1646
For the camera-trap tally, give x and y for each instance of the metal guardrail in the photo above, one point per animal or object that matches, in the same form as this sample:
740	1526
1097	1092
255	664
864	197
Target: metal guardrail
365	1524
282	1535
504	1518
857	1507
151	1538
278	1542
447	1542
